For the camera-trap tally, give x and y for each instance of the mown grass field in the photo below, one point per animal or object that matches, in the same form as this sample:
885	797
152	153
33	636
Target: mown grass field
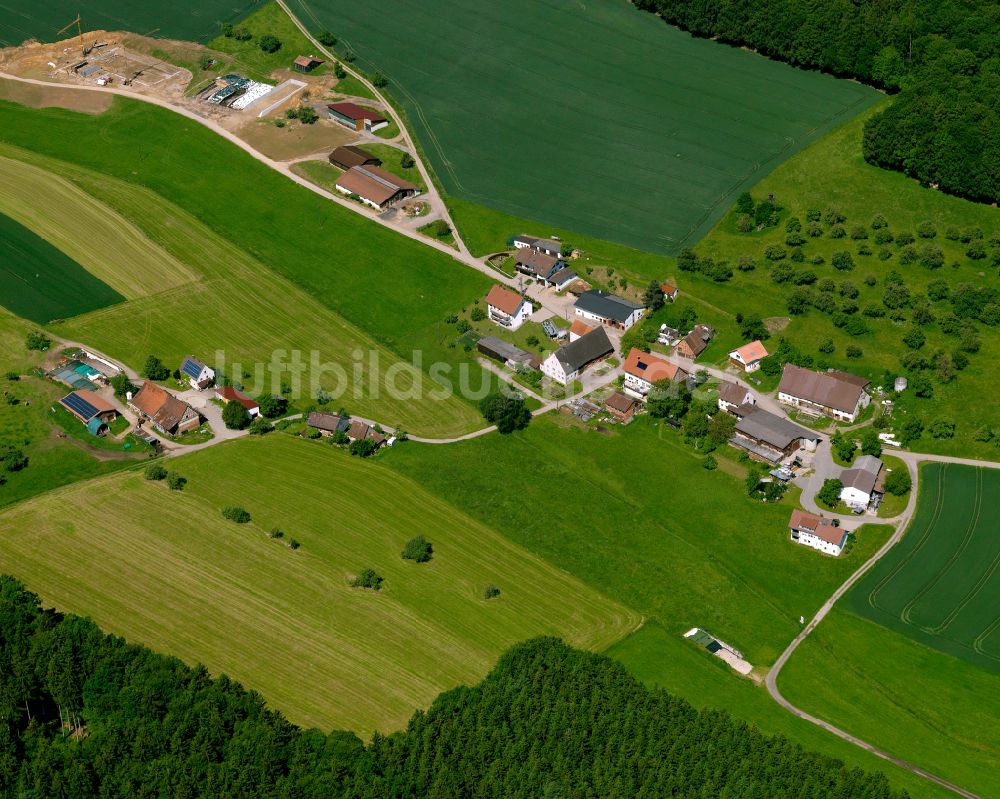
909	699
40	282
940	584
633	514
660	658
164	568
23	20
643	136
332	265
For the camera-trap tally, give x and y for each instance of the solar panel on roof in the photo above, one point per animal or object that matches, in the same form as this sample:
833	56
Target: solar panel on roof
80	406
191	368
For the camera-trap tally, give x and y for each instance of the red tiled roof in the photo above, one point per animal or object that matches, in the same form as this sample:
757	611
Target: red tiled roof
751	352
579	328
668	288
819	526
650	367
504	299
355	112
373	183
229	393
619	402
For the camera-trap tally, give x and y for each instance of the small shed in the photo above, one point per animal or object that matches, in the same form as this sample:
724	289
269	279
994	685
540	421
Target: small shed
306	63
900	384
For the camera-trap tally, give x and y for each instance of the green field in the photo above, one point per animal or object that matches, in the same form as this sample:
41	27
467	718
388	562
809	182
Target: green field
641	136
278	267
286	622
23	20
41	283
939	585
913	701
633	513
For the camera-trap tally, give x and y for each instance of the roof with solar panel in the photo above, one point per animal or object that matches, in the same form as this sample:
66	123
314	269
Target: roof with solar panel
192	367
85	405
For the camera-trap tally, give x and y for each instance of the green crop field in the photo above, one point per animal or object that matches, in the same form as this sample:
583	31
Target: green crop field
41	283
913	701
617	126
940	584
277	268
164	568
22	20
634	514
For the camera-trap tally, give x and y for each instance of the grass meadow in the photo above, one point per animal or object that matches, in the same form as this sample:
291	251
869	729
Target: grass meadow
643	137
286	622
200	21
279	276
913	701
939	585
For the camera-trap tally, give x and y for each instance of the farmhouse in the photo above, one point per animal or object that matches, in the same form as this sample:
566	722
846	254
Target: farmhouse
837	394
199	375
229	394
565	364
500	350
670	291
860	482
770	438
549	270
349	156
748	357
620	406
307	63
608	309
507	308
328	423
93	411
733	395
359	431
817	532
547	246
642	369
164	411
358	117
578	329
375	186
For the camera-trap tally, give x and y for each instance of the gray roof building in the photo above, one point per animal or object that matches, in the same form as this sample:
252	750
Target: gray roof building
771	429
500	350
606	305
577	354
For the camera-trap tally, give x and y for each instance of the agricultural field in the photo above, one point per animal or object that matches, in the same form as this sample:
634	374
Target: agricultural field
645	136
292	293
940	583
911	700
710	556
23	20
285	621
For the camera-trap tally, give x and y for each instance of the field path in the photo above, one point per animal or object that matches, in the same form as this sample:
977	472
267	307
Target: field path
911	459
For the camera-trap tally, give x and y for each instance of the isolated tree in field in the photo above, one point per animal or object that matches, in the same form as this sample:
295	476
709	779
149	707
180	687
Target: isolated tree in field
235	416
710	464
490	591
369	578
307	115
829	494
155	472
175	481
871	444
507	411
326	38
418	549
37	340
379	81
237	514
898	482
910	430
407	162
752	328
12	459
227	30
842	260
154	369
269	43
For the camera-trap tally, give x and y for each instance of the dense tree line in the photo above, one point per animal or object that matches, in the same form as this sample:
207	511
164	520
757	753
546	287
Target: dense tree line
943	54
83	714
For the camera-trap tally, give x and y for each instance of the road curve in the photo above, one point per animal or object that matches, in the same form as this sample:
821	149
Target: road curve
771	681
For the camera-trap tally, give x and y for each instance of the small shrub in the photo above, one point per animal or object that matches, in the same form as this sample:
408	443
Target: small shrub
838	232
418	549
205	62
775	252
276	532
491	591
260	427
269	43
379	81
242	35
326	38
407	162
477	314
709	463
339	72
155	472
904	239
369	578
853	352
293	543
13	376
926	230
227	30
879	222
176	482
236	514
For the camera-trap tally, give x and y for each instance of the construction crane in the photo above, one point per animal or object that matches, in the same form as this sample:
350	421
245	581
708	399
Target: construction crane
79	29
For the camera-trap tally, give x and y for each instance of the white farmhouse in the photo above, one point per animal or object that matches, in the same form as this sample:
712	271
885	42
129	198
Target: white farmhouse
817	532
749	356
608	309
507	308
199	375
860	481
839	395
642	369
566	363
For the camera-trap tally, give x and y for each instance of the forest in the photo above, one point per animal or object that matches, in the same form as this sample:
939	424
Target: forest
942	56
84	714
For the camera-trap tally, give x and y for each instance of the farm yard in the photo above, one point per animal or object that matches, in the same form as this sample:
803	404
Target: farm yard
285	621
644	137
22	20
939	585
